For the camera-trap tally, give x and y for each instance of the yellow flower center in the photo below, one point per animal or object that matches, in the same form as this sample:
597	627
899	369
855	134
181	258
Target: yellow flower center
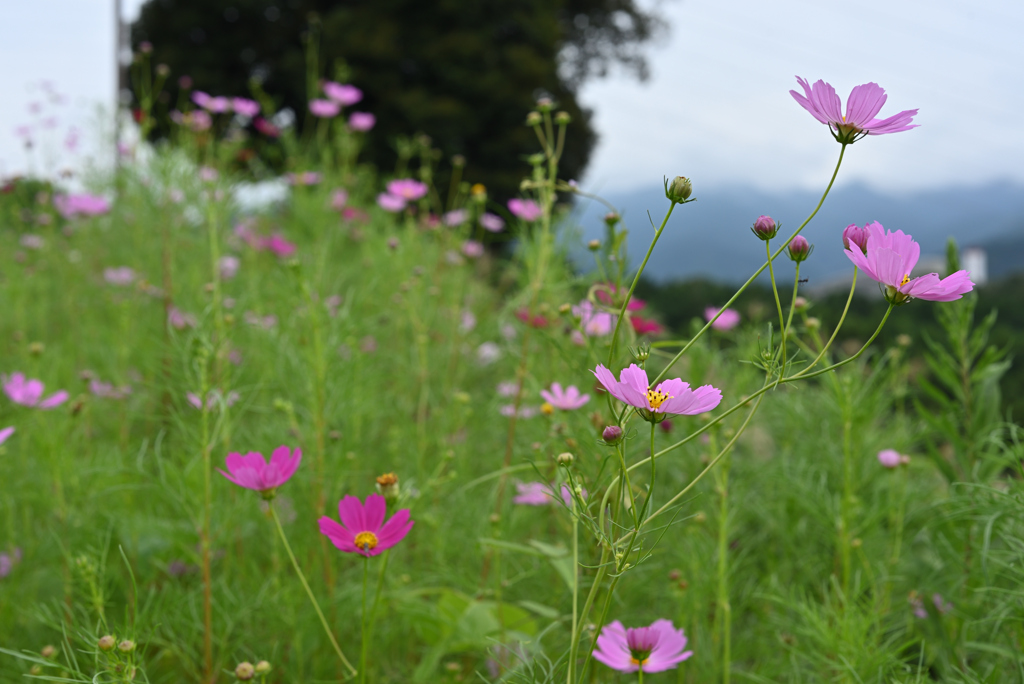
906	279
367	541
656	397
547	409
639	663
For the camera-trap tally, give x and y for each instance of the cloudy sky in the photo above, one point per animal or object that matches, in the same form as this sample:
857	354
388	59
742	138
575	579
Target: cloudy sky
716	109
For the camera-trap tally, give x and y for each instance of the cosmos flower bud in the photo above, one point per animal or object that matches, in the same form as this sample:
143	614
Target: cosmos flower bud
800	303
855	235
612	434
889	458
799	249
162	70
245	671
813	323
612	218
48	651
106	643
765	227
387	485
126	646
533	119
562	118
263	667
594	245
457	160
545	104
565	459
679	190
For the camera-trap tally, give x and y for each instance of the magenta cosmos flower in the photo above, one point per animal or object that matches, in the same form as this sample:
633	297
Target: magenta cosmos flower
71	206
864	103
656	648
325	109
568	399
527	210
343	94
29	392
389	202
407	188
890	458
252	471
654	404
727	321
595	323
362	529
889	259
245	107
532	494
361	121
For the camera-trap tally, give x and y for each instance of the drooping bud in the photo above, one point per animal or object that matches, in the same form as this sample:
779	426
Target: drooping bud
855	235
799	249
565	459
245	671
106	643
612	434
679	190
387	485
765	227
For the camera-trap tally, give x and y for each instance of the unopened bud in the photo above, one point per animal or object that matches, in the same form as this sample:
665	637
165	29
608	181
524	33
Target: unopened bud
612	434
855	236
387	485
675	575
856	543
163	71
533	119
457	160
904	340
262	667
800	303
48	651
700	517
765	227
245	671
145	47
799	249
36	348
545	104
612	218
565	308
813	323
679	189
562	118
565	459
594	245
106	643
126	646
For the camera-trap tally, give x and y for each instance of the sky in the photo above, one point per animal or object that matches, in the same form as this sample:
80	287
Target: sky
716	108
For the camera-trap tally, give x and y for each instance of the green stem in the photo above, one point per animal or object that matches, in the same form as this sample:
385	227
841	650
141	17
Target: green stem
380	590
835	332
723	612
365	621
756	274
309	592
778	305
847	502
575	585
792	305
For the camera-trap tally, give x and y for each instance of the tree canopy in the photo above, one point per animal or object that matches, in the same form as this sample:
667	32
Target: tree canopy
463	72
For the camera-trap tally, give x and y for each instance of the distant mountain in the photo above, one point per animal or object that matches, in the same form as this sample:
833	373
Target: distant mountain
711	237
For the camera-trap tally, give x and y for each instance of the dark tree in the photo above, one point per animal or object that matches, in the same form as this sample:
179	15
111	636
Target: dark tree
465	72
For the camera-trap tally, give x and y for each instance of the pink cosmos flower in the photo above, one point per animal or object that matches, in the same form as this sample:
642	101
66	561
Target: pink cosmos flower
455	218
527	210
199	121
200	98
407	188
29	392
325	109
32	241
362	529
389	202
525	412
491	222
120	276
217	105
643	326
279	245
864	103
727	321
532	494
605	296
890	258
595	323
266	128
890	458
208	174
6	433
338	199
568	399
245	107
228	266
854	235
473	249
361	121
653	649
303	178
654	404
252	471
508	388
343	94
72	206
106	390
179	319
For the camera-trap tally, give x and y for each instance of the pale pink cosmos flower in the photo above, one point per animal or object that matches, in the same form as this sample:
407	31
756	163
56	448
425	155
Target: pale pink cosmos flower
199	121
267	322
281	247
653	649
73	206
217	105
455	218
487	353
361	121
303	178
492	222
179	319
362	529
568	399
339	198
200	98
467	321
245	107
890	458
527	210
889	260
864	103
595	323
29	392
407	188
6	433
228	266
119	276
107	390
655	404
344	94
252	471
524	412
473	249
729	319
208	174
507	388
325	109
32	241
532	494
389	202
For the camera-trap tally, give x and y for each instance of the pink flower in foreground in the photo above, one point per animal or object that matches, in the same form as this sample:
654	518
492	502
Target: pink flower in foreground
568	399
407	188
325	109
362	529
252	471
343	94
864	103
532	494
491	222
527	210
389	202
72	206
245	107
361	121
727	321
6	433
218	105
29	392
654	404
606	293
595	323
890	458
200	98
890	258
653	649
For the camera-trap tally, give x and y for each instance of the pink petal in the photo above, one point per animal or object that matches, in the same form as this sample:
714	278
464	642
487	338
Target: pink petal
864	102
55	399
373	513
339	536
350	510
394	530
824	97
